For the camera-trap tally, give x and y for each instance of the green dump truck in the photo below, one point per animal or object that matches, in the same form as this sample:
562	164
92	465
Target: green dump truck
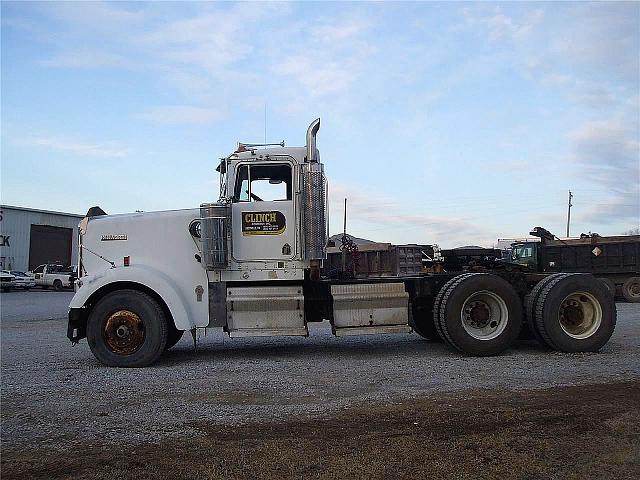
615	260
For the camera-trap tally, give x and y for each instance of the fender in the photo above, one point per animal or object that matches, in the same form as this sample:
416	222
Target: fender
185	314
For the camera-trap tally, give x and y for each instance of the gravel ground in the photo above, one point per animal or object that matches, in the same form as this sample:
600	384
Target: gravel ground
56	396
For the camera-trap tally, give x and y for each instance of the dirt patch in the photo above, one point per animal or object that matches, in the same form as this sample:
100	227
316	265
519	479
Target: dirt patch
579	432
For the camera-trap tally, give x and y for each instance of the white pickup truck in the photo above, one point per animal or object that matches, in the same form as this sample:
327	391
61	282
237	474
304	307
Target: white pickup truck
56	276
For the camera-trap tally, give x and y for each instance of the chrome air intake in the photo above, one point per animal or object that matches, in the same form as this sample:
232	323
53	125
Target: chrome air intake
314	205
214	220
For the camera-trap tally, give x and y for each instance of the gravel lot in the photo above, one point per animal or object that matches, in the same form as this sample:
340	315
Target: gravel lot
57	396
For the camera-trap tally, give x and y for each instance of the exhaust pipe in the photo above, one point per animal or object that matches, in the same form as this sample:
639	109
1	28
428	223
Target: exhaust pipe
312	152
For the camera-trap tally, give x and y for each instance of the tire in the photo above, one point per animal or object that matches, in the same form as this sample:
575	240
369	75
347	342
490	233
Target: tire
173	335
480	314
531	302
631	290
437	303
575	313
57	285
610	285
140	342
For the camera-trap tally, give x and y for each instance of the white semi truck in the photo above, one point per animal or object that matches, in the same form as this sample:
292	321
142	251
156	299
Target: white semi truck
250	264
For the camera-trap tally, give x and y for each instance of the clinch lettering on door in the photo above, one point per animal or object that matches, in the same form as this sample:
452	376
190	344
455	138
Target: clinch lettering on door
263	223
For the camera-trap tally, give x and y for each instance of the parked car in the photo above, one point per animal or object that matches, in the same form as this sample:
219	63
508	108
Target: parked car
23	280
7	281
53	275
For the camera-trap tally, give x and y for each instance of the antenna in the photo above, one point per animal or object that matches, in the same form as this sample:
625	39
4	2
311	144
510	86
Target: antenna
265	122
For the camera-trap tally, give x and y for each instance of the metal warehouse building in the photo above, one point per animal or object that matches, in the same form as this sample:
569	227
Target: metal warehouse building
30	237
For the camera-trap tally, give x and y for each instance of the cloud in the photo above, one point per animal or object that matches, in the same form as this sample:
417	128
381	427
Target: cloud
606	153
501	25
88	59
75	147
340	53
599	46
181	114
594	97
380	217
318	79
96	14
498	25
601	39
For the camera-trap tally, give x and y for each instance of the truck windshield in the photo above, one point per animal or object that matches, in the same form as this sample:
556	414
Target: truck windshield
258	183
522	251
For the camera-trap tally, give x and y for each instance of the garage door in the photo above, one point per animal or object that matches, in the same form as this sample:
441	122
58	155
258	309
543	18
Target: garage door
50	245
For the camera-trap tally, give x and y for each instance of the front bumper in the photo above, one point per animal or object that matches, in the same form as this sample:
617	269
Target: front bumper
77	326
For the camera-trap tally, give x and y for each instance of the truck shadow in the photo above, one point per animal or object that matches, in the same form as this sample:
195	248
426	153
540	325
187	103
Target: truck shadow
341	349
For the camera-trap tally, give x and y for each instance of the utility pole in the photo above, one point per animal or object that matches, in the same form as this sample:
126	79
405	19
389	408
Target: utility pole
569	212
344	234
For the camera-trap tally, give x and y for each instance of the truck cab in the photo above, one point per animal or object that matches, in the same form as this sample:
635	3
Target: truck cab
526	255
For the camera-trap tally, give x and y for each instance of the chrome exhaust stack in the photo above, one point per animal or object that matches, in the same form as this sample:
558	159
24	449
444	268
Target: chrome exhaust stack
312	151
314	203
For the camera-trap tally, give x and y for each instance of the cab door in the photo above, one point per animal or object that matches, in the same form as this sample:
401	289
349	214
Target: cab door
263	213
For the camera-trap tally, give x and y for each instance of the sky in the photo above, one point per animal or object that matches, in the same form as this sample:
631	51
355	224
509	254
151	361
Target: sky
448	123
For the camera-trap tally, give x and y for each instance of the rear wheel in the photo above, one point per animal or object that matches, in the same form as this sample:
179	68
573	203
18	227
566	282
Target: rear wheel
57	285
576	313
127	328
531	302
437	303
480	314
631	290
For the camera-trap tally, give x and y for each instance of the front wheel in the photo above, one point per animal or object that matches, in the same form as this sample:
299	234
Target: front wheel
127	328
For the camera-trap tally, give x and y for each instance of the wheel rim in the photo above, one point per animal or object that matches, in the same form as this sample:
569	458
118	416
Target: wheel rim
580	315
634	289
484	315
123	332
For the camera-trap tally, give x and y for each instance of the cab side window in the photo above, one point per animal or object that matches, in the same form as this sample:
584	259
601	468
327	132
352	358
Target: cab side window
241	193
263	183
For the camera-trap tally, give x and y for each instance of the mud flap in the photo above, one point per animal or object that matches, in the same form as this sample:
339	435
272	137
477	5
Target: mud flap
77	326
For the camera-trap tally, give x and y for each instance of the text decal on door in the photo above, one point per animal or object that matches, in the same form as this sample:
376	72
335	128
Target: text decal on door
263	223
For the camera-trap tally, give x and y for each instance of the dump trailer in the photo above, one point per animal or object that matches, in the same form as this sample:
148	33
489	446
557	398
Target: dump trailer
615	260
250	264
